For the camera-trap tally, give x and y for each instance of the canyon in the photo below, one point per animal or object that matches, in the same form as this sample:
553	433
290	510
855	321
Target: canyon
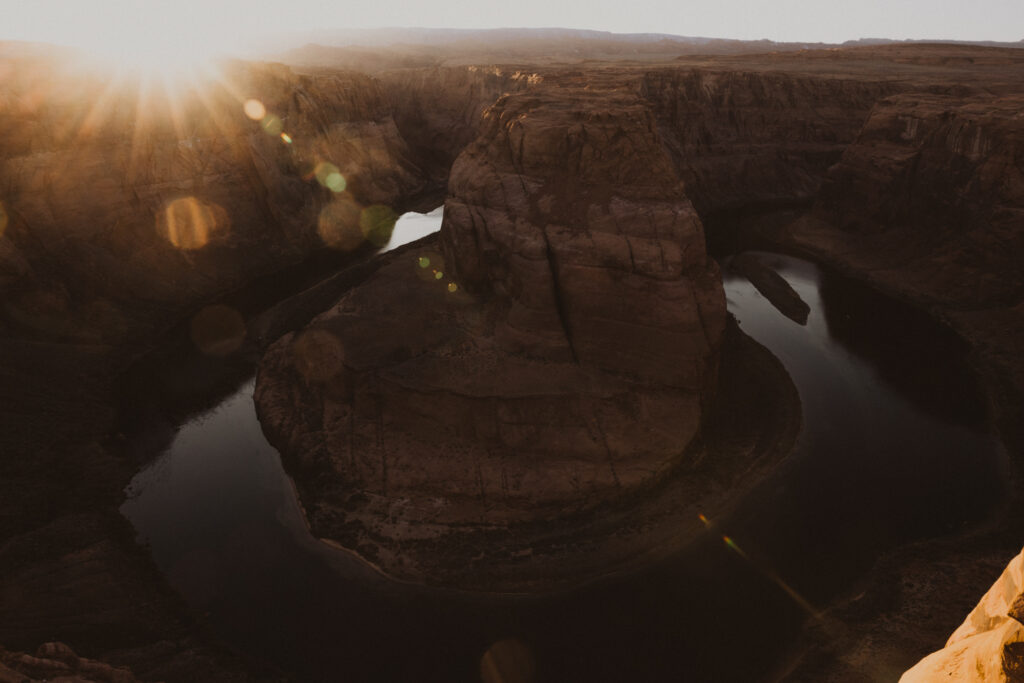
485	408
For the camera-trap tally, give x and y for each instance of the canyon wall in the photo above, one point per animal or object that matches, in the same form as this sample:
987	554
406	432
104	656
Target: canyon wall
759	139
125	203
440	110
928	203
939	179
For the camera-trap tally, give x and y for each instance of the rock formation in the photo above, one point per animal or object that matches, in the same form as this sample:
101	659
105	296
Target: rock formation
989	646
555	351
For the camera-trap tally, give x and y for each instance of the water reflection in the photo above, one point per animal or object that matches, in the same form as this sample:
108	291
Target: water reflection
876	464
413	226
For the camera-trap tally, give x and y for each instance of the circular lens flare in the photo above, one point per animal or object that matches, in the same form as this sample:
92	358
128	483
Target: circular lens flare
318	355
254	109
508	661
218	330
377	223
338	224
190	223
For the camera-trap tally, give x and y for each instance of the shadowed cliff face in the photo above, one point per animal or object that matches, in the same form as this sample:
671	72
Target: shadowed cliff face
440	110
745	138
944	172
126	203
929	202
568	215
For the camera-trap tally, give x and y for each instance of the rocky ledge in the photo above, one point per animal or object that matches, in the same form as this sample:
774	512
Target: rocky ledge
989	645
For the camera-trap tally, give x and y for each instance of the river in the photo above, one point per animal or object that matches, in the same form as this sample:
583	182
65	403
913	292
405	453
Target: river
895	446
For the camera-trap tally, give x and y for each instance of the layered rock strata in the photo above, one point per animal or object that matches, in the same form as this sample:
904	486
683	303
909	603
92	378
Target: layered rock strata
555	352
752	139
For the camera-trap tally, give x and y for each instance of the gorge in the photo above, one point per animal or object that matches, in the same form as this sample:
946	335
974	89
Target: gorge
559	359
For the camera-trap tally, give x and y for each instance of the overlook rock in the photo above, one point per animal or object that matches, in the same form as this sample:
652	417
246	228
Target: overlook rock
556	350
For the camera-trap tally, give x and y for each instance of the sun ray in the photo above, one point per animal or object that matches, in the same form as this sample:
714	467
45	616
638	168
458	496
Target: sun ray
174	108
140	131
101	108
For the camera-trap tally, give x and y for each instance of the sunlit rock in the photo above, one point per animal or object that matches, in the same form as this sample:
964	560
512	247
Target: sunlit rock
989	646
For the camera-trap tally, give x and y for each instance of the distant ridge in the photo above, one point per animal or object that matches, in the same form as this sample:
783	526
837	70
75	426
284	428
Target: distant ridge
400	35
907	41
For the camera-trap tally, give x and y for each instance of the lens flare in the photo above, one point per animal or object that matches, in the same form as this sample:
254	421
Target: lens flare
254	109
218	330
508	661
272	125
189	223
328	175
377	223
772	576
428	265
287	139
338	224
318	355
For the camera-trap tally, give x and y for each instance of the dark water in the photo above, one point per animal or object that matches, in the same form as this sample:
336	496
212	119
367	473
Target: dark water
895	447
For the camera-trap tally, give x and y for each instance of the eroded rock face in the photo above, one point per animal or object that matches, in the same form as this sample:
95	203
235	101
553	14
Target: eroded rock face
942	172
743	138
928	203
571	218
989	645
555	351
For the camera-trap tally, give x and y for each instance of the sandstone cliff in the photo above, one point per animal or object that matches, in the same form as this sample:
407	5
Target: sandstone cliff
554	352
746	139
989	646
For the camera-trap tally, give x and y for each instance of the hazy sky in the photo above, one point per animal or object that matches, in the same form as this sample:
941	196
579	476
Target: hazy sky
206	24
